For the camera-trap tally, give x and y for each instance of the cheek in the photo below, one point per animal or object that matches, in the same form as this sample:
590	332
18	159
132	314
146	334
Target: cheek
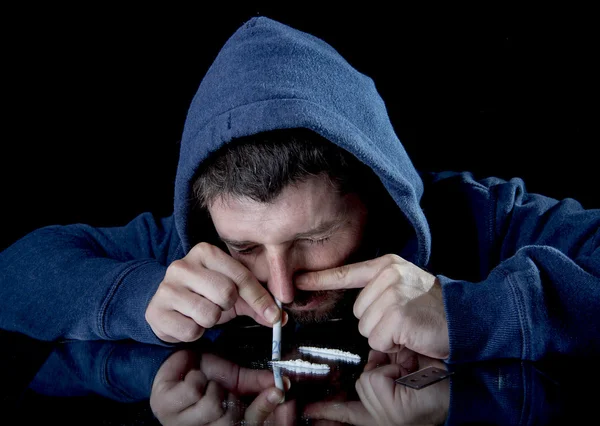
331	254
319	258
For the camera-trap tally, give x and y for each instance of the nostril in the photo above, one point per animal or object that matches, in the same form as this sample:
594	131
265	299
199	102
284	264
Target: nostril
286	298
281	284
284	295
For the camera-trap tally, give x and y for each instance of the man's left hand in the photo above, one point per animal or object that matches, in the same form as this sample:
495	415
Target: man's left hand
401	305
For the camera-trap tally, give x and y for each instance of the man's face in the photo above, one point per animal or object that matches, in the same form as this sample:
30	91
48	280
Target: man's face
308	227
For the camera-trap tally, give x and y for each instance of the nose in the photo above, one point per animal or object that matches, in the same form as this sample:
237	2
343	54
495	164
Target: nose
280	282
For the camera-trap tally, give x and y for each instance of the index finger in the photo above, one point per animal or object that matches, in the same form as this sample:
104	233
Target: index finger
242	381
249	289
354	275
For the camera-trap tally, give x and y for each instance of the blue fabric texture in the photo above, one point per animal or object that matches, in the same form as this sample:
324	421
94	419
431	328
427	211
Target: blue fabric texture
520	272
121	371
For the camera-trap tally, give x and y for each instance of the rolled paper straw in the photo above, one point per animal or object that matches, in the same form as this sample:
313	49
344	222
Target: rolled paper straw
276	349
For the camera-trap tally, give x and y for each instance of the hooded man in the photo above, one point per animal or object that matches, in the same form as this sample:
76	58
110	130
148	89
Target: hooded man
292	185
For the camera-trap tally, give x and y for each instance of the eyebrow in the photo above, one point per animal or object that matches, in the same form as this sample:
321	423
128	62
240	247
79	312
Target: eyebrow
324	228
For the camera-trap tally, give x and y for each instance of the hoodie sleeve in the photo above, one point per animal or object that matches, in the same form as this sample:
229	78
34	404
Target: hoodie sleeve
85	283
540	295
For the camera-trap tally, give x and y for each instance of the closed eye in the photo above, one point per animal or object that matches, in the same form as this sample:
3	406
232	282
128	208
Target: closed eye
250	250
247	250
317	241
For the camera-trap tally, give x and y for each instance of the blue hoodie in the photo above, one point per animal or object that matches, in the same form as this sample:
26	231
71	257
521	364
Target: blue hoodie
520	272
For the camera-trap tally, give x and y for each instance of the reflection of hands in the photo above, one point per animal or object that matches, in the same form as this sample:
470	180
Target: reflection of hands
385	402
405	358
189	390
401	305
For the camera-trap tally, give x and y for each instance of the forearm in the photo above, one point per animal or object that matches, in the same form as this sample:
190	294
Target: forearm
537	303
57	284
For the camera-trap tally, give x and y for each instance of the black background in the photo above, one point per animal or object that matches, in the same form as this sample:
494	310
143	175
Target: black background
95	99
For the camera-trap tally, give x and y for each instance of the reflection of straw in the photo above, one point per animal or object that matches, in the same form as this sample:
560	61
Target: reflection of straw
278	378
276	348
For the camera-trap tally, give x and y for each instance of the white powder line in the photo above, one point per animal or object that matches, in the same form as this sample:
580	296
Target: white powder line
335	354
300	366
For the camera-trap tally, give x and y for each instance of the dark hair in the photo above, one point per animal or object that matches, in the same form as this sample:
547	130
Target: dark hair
262	165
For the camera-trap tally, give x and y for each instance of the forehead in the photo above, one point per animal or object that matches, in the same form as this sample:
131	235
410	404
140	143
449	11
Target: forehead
299	208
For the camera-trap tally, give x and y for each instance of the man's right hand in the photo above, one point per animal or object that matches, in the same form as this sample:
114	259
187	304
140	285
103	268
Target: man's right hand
205	288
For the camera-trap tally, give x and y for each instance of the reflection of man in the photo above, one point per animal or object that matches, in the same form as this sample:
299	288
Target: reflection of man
194	387
291	153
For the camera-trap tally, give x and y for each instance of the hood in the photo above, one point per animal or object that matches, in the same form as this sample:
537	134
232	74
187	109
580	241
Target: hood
271	76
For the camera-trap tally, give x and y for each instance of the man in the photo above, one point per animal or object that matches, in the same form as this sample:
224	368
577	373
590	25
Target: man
447	266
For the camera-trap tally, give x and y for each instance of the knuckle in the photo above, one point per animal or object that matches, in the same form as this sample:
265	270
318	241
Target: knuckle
176	269
375	343
398	269
376	381
244	278
202	250
391	294
189	332
342	272
311	279
201	247
228	293
206	314
163	292
356	310
392	272
390	259
262	300
150	315
213	316
362	329
367	379
363	380
194	392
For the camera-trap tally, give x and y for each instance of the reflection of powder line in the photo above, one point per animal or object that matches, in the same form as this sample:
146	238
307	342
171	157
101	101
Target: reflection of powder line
300	366
330	353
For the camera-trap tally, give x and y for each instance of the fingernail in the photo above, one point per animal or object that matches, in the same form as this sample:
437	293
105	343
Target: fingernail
285	318
275	396
287	382
272	314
